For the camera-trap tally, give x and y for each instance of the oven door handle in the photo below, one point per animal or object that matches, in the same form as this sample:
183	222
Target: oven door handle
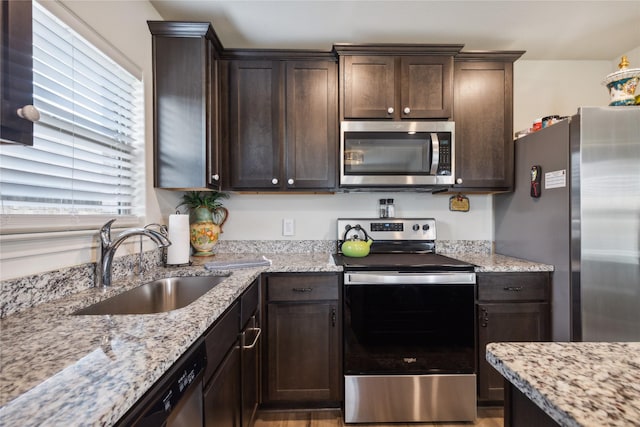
409	278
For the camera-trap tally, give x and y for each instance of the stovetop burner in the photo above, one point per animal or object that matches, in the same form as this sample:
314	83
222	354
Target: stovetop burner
402	262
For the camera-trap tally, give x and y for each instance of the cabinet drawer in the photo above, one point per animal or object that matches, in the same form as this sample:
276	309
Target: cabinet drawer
513	287
220	338
302	288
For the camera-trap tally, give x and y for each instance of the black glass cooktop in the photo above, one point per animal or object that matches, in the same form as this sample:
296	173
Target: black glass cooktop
407	262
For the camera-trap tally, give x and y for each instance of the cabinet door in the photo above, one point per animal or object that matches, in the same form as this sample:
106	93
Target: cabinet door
506	322
311	124
222	394
426	87
303	363
250	370
250	342
483	113
185	107
369	90
16	77
255	125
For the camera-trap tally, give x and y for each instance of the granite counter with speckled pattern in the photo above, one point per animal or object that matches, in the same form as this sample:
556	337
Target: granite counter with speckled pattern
585	384
62	369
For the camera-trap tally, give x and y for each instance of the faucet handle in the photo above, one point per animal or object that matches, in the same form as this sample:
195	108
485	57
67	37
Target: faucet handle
161	227
105	232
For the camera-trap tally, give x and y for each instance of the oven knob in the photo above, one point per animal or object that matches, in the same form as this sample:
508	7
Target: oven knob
416	227
425	227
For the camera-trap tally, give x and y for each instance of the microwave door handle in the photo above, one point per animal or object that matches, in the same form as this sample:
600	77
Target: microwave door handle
435	153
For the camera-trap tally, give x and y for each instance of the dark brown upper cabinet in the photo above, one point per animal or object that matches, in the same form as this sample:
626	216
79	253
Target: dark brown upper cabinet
185	105
16	73
396	82
483	113
282	123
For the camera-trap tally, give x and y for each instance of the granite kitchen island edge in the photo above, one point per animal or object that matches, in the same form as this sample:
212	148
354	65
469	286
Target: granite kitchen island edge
574	383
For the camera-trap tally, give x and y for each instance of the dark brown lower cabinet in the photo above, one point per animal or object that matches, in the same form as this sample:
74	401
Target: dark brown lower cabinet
222	406
250	345
510	307
302	365
221	395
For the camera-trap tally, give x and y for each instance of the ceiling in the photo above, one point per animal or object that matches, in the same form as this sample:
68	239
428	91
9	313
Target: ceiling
552	30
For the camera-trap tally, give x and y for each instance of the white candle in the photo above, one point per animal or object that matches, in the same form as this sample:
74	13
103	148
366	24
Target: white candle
178	252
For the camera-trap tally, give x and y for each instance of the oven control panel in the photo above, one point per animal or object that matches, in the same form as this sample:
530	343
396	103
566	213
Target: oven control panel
421	229
387	226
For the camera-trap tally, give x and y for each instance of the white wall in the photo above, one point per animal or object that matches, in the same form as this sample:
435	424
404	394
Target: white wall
260	216
545	88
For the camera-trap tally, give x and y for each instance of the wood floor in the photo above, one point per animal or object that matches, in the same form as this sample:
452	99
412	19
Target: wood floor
487	417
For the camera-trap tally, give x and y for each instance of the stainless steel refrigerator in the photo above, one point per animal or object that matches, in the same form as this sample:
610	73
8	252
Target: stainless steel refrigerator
583	216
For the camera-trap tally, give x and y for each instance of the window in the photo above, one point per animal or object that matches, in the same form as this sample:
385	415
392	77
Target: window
87	157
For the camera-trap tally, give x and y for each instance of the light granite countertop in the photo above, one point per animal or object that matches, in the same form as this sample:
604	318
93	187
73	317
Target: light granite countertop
61	369
575	383
496	263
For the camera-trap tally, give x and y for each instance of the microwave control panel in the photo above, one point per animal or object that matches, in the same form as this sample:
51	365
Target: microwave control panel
444	160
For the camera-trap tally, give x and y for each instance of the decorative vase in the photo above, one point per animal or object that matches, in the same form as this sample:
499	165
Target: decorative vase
205	228
622	84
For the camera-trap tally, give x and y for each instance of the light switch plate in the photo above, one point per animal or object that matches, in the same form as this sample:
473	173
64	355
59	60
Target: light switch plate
288	227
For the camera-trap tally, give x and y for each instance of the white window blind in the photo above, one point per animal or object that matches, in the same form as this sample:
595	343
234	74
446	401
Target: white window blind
87	153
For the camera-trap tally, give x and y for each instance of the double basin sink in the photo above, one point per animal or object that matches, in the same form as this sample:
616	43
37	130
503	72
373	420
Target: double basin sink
158	296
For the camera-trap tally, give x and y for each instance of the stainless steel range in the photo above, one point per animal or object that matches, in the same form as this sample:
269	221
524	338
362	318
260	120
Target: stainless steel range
408	326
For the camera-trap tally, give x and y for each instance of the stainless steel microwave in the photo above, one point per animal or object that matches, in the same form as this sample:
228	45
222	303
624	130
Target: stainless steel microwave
397	154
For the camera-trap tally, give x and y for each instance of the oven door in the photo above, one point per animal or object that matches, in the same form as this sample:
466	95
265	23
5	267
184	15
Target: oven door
398	323
408	347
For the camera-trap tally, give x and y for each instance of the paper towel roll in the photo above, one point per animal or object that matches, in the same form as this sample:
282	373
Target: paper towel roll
178	252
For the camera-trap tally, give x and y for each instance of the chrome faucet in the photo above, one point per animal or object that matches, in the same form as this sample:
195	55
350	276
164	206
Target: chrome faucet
108	248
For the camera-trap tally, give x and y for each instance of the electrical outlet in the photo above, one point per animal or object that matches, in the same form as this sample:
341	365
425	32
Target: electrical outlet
288	227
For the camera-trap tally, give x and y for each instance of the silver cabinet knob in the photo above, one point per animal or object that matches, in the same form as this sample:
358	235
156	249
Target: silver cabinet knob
290	181
407	110
29	112
215	177
459	181
274	181
390	110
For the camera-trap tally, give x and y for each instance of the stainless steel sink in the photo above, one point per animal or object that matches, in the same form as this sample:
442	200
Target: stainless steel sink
156	297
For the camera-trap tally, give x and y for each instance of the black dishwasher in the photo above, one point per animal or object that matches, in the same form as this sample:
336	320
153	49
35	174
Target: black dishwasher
176	399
